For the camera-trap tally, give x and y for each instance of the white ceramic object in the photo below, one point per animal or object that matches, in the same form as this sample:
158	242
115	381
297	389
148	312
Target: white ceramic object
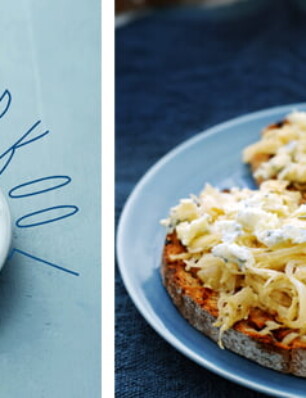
5	229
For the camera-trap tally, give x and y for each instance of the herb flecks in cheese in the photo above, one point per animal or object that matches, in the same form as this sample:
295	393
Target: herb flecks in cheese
269	216
249	247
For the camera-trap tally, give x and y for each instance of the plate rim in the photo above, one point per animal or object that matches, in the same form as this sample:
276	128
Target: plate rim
123	219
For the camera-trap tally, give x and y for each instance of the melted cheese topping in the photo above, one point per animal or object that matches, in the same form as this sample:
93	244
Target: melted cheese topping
286	149
250	246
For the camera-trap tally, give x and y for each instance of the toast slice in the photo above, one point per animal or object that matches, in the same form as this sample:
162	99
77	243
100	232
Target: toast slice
198	305
259	329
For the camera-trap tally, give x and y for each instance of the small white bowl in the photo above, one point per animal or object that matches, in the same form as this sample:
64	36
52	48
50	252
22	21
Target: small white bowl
5	229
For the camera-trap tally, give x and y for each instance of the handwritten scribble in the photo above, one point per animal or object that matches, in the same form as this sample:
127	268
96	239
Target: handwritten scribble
63	180
34	187
9	153
40	260
6	96
20	222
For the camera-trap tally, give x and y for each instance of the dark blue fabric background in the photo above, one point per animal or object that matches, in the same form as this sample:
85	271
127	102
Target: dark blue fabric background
177	73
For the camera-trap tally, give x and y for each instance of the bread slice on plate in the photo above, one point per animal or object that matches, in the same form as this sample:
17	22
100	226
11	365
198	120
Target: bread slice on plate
281	152
234	266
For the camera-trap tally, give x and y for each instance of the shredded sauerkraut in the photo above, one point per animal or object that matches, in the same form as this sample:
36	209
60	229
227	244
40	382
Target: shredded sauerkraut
285	147
250	246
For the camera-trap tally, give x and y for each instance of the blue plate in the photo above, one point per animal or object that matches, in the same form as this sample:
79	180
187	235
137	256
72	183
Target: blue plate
215	157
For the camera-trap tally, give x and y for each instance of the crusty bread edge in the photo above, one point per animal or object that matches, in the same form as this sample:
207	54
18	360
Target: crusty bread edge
291	361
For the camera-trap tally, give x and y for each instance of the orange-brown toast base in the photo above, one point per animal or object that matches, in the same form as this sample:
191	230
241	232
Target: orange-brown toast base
199	306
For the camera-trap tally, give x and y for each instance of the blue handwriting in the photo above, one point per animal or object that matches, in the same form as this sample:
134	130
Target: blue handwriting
18	191
35	224
40	260
12	194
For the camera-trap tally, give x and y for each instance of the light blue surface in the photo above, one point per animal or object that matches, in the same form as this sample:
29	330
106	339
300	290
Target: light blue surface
215	157
49	318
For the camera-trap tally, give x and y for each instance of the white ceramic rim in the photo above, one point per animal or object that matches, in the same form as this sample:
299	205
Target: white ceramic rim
122	262
5	229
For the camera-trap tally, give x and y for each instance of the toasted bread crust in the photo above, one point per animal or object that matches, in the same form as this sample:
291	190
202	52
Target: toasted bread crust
199	306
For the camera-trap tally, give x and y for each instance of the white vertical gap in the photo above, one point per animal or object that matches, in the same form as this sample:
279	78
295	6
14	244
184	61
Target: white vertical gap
107	195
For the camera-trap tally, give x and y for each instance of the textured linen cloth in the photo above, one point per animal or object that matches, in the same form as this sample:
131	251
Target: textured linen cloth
179	72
